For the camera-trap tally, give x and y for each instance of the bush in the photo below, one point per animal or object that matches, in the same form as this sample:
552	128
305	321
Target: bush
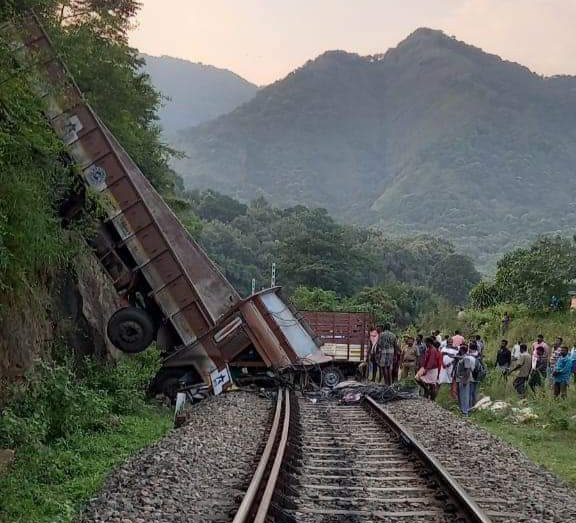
484	295
55	403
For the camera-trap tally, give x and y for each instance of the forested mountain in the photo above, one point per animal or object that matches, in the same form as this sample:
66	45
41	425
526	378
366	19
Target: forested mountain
434	136
195	92
312	250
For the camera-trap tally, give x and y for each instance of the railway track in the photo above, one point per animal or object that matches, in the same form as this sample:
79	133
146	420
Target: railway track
329	463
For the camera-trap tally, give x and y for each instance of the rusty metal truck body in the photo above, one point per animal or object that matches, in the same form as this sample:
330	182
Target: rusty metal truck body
173	292
342	336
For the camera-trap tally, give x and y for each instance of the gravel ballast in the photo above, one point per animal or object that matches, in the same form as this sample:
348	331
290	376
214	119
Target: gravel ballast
504	482
197	474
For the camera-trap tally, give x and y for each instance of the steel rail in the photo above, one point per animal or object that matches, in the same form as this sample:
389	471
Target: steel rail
274	473
251	509
467	505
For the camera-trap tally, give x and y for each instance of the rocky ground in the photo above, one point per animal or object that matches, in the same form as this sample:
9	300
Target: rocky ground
197	474
504	482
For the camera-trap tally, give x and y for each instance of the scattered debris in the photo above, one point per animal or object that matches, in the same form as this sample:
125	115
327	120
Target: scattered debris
347	390
513	414
523	415
486	403
482	403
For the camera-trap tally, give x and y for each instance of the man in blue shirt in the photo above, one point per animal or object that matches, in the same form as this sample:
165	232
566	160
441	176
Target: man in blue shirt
562	373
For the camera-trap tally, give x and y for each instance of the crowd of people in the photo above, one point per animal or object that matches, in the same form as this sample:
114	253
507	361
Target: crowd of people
458	363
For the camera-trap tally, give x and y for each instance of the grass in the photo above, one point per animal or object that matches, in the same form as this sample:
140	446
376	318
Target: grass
548	440
49	484
70	423
553	449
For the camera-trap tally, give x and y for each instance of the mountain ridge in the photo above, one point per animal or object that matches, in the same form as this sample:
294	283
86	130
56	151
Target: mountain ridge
433	136
195	92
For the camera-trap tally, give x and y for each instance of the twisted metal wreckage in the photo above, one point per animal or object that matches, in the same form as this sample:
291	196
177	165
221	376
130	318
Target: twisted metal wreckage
172	292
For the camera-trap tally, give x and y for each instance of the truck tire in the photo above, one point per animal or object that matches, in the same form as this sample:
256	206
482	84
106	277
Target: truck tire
131	329
331	376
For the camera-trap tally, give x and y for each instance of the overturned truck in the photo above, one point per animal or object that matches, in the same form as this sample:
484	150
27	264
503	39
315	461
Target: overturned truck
173	293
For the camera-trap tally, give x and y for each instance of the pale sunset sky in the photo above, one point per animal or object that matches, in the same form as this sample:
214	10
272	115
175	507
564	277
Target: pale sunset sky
263	40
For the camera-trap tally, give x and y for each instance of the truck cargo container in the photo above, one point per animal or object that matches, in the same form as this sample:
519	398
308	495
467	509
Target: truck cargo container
343	337
173	293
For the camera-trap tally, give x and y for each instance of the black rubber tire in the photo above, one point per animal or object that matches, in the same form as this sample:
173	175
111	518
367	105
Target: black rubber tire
331	376
131	330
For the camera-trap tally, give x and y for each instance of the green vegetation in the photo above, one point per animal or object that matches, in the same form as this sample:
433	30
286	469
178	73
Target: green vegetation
531	276
32	185
479	151
526	279
34	180
68	422
69	425
400	304
551	448
312	250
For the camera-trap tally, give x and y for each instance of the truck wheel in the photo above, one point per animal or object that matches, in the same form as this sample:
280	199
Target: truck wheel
131	329
331	376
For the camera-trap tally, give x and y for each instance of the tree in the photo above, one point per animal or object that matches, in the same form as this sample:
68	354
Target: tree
453	278
314	299
316	252
91	37
532	276
400	304
483	295
212	205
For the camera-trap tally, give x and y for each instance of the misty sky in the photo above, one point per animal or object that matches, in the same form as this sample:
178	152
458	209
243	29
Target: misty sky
263	40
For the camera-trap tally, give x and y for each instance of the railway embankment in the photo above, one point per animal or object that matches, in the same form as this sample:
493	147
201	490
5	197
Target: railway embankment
487	466
198	473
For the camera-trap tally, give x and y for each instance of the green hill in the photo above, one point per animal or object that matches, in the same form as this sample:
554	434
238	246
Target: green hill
195	92
434	136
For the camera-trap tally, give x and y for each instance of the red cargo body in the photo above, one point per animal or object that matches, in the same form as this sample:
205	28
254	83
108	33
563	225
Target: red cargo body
342	336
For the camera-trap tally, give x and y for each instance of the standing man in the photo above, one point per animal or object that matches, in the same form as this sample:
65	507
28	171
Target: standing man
506	319
372	353
540	347
409	359
445	340
555	351
447	372
387	348
503	357
480	344
478	372
562	373
516	350
464	369
457	339
539	364
420	348
522	365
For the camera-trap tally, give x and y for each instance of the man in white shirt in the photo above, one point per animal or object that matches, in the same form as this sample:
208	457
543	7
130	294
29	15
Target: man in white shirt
516	350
